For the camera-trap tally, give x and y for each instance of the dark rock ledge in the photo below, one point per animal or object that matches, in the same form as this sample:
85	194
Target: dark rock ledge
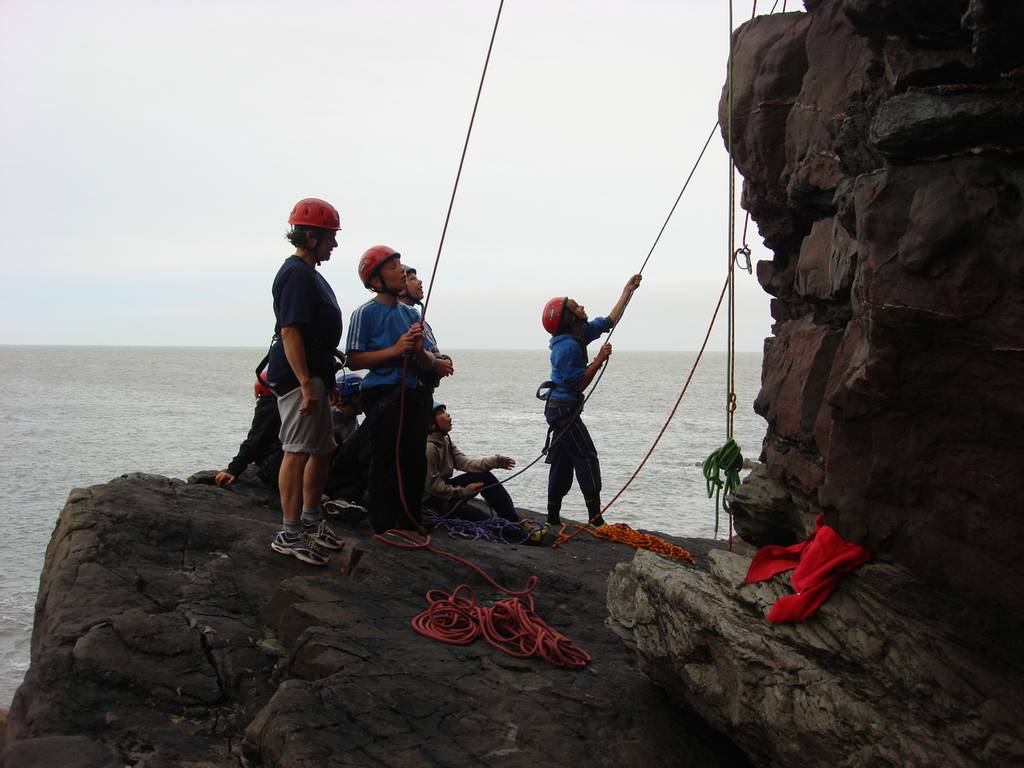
167	633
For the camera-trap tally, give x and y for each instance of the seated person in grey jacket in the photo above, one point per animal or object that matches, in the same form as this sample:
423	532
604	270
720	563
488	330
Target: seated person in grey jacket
443	490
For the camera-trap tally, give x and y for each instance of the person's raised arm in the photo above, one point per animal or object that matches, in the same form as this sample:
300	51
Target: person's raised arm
631	285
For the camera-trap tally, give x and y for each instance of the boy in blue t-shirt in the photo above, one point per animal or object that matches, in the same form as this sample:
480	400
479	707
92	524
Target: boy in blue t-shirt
382	334
572	449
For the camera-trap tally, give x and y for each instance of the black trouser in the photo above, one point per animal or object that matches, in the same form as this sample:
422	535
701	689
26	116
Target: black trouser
495	495
349	473
382	406
270	468
572	450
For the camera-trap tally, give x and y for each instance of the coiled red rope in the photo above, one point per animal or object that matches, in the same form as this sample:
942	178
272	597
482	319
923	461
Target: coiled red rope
510	625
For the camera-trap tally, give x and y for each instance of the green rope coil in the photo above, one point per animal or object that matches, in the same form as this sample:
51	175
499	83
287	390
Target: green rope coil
727	460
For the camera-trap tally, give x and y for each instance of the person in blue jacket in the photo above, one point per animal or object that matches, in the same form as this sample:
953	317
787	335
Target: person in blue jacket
386	336
572	449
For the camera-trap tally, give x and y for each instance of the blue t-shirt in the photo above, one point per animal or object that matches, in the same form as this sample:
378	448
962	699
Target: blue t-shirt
569	358
303	298
375	326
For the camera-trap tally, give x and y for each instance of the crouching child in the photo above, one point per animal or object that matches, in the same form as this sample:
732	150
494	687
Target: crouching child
444	489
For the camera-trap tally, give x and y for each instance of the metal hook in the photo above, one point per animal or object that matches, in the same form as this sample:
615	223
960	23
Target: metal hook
745	252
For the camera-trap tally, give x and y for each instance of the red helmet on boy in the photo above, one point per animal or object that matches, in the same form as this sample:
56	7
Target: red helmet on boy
374	258
260	388
551	319
314	212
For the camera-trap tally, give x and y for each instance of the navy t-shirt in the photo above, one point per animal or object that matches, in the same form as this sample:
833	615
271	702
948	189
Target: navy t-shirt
303	298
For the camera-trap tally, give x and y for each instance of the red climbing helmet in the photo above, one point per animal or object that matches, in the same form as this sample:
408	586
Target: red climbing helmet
314	212
260	388
552	317
374	258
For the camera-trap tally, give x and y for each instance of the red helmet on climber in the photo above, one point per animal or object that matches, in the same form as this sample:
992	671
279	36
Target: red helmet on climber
553	313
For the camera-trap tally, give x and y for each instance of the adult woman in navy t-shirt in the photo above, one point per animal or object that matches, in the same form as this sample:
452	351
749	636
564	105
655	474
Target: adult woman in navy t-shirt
301	371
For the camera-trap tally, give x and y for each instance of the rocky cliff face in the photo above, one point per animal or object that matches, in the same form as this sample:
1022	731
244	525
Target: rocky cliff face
168	634
881	144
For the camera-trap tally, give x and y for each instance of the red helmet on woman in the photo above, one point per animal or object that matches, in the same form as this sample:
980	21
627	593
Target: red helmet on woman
371	261
551	319
314	212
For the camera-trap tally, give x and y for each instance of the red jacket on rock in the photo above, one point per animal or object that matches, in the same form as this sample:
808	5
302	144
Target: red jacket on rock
819	562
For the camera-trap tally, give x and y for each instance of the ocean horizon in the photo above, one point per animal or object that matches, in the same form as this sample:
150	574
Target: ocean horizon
78	415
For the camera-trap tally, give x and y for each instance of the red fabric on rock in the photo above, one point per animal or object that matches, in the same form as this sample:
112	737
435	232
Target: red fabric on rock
819	562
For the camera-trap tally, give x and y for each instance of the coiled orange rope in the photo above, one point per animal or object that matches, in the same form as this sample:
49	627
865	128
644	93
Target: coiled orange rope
623	534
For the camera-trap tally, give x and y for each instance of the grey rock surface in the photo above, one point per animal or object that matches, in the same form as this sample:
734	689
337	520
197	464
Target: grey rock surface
887	673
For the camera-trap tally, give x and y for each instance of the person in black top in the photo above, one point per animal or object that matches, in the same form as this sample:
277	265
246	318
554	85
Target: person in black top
261	446
307	331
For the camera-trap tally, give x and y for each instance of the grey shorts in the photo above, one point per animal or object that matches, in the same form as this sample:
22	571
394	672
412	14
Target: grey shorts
310	433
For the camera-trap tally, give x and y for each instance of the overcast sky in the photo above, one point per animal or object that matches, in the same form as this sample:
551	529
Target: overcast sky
153	150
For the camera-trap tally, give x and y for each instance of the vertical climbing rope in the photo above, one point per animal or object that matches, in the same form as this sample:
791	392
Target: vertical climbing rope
730	373
462	160
730	370
433	274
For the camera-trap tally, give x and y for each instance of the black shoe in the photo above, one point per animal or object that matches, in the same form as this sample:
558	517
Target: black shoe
345	511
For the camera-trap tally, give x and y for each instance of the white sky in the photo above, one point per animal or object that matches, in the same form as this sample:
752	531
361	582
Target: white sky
153	150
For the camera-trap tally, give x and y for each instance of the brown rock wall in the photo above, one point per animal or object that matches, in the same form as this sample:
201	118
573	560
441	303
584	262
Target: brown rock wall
893	384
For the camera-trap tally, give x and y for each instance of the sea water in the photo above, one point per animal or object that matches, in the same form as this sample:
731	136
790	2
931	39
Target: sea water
76	416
